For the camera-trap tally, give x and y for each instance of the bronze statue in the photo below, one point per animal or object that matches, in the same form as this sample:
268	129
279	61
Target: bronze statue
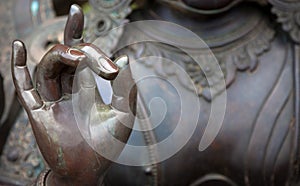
258	54
257	142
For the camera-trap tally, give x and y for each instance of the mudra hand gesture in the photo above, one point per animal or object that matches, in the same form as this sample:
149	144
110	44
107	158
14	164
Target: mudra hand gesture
71	159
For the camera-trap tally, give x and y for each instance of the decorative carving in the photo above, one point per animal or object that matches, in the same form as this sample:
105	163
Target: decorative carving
244	54
214	179
240	55
268	147
288	14
103	17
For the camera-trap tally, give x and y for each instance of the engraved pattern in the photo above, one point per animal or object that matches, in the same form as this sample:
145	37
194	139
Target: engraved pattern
240	55
288	14
214	179
104	16
270	128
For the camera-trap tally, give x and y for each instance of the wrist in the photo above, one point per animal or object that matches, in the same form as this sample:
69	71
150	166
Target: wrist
53	179
49	178
41	180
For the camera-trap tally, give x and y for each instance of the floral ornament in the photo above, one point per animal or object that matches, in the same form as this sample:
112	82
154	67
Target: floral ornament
288	14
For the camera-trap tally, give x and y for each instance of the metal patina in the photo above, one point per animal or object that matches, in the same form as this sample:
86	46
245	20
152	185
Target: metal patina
256	43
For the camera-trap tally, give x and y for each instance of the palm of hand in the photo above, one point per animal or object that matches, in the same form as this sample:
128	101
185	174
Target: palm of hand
52	114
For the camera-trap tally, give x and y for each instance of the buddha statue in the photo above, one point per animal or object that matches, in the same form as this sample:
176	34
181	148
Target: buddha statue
255	44
256	143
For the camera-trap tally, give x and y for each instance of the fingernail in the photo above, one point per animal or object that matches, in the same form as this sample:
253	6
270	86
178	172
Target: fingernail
122	61
77	20
19	53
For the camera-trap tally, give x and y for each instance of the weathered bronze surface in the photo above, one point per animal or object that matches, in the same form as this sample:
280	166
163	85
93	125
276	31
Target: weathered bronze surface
49	105
257	46
257	144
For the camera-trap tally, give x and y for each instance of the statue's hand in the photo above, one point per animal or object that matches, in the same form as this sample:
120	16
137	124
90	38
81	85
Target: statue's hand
55	121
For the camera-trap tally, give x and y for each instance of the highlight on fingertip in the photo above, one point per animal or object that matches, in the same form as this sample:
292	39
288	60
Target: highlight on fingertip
122	61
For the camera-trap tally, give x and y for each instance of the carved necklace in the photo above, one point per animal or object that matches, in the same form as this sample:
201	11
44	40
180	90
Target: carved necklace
236	46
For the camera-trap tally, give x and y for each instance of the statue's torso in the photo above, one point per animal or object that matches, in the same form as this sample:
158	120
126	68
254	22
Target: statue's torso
256	143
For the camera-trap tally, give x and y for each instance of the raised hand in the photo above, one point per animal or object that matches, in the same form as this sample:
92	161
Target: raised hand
49	104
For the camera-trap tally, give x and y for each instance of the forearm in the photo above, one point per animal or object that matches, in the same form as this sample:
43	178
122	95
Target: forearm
49	178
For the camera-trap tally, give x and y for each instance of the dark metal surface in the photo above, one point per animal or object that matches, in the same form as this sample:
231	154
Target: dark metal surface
2	100
207	4
40	32
296	171
51	114
258	143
